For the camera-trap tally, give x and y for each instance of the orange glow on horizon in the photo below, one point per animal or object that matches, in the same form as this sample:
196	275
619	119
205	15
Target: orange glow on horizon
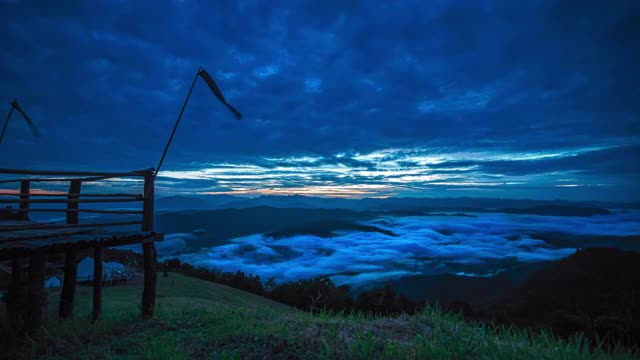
347	191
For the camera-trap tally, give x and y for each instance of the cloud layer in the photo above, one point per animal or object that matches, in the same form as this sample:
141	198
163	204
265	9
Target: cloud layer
478	246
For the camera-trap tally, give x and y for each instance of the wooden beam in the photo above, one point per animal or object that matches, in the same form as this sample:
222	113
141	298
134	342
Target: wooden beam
97	282
74	190
65	310
36	300
84	179
150	278
73	173
63	226
63	201
138	196
88	241
97	211
24	197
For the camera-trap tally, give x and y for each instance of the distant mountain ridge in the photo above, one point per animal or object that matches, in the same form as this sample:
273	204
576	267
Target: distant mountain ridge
212	202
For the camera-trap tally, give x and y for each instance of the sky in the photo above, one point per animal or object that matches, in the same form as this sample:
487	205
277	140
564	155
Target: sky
514	99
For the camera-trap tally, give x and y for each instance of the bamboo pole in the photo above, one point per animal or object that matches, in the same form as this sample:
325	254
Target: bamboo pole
175	127
6	123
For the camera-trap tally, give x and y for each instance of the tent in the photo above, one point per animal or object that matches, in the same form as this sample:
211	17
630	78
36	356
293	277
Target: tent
110	270
85	270
52	282
114	270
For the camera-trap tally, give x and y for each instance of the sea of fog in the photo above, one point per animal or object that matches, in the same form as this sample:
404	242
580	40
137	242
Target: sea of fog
482	244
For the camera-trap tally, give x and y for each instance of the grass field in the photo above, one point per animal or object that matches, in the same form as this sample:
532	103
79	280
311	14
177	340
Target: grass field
198	319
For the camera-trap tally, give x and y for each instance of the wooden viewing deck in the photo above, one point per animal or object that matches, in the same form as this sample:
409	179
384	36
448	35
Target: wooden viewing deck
21	238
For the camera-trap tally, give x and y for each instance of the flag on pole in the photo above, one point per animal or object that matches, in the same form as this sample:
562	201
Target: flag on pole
216	91
15	105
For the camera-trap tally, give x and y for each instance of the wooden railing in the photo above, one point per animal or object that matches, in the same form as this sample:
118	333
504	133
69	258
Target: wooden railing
25	197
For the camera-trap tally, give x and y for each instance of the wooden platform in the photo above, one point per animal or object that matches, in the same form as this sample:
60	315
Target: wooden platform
24	243
27	243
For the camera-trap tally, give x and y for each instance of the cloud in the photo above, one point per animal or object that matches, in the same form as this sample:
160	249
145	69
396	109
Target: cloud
319	80
425	245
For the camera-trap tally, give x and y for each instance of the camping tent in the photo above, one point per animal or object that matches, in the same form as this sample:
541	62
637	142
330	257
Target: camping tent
85	270
110	270
114	270
52	282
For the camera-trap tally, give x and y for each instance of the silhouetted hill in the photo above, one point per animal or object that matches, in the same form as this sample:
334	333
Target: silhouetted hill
596	290
180	202
475	290
218	226
557	210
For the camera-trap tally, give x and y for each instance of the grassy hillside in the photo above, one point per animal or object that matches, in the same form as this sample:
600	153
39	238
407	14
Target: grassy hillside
197	319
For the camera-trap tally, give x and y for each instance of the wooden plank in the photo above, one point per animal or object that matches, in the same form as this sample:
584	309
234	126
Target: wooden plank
63	226
83	179
97	211
138	196
74	189
24	198
36	300
78	242
65	310
72	173
150	277
41	234
63	201
97	283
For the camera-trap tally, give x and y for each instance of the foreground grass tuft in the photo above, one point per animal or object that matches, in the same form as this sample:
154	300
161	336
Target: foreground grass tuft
197	319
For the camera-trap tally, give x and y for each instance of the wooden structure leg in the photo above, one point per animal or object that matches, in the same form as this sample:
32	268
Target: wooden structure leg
36	297
150	277
16	293
69	285
97	282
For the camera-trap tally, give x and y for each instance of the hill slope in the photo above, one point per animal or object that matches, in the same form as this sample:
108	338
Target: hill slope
197	319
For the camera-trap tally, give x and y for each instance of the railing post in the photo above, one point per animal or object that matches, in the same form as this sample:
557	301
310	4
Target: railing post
148	249
24	195
147	208
74	192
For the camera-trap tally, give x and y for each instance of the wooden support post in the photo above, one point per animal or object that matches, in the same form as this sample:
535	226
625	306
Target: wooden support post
24	195
150	278
74	191
36	300
15	294
97	282
148	249
65	310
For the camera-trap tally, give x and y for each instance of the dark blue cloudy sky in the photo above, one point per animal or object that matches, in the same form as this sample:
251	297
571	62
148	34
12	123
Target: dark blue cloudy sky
534	99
